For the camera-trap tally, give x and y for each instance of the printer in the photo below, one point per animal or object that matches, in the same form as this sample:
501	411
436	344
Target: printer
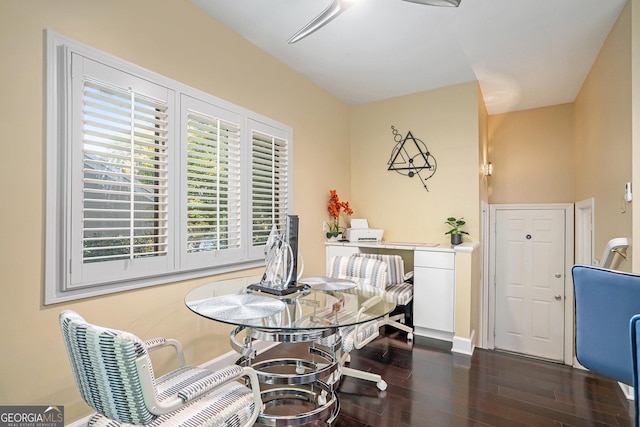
360	232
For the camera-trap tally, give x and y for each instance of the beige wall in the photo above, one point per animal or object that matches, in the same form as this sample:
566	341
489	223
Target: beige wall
195	50
447	121
603	136
532	156
635	118
335	147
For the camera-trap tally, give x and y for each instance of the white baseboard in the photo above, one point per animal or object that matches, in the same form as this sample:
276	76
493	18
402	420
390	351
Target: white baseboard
432	333
230	358
627	390
219	362
464	345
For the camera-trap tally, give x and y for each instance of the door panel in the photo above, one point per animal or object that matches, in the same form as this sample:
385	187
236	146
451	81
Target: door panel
529	282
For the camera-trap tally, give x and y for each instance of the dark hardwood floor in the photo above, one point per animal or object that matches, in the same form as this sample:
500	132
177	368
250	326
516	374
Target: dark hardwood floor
429	386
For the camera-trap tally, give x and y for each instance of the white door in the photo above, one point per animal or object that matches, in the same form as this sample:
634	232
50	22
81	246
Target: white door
530	282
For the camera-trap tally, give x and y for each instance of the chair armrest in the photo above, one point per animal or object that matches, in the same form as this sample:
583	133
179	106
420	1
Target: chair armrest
197	388
357	343
213	380
364	307
160	342
223	376
368	304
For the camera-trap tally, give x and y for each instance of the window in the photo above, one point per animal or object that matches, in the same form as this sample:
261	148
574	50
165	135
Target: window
270	188
124	199
150	181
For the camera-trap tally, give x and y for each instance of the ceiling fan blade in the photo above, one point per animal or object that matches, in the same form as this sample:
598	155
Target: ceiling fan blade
447	3
334	9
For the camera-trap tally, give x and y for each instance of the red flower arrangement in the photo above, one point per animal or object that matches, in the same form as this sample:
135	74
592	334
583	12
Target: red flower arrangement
334	207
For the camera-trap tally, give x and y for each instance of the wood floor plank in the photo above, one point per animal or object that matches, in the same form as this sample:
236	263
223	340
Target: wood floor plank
430	386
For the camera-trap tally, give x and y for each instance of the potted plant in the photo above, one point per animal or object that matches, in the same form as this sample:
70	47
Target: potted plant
334	206
455	231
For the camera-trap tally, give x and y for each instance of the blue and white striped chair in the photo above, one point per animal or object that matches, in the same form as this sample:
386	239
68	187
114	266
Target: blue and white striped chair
366	272
400	290
115	377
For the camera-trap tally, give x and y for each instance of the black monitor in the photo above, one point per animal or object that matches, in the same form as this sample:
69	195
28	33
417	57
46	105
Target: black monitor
292	239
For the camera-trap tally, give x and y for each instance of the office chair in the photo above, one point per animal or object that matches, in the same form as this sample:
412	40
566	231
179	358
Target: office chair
635	347
366	272
605	302
114	375
400	291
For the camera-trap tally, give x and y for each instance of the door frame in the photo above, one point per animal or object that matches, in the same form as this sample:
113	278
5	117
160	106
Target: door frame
585	231
489	286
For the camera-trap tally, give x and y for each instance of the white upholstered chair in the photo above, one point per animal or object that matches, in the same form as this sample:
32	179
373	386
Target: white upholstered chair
366	272
400	290
115	377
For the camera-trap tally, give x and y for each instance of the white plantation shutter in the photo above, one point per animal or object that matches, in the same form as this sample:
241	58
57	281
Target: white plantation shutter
120	173
269	185
125	203
150	181
213	184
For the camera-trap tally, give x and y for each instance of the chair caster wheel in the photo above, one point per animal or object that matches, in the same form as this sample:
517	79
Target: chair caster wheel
410	336
382	385
322	398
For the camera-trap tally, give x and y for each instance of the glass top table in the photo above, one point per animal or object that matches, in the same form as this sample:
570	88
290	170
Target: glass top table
318	314
322	304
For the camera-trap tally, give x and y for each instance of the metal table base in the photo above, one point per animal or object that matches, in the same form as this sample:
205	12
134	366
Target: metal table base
311	382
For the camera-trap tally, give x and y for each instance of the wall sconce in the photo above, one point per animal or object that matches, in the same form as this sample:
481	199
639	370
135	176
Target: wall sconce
487	169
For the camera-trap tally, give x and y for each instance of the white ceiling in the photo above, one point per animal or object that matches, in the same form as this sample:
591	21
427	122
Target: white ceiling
525	53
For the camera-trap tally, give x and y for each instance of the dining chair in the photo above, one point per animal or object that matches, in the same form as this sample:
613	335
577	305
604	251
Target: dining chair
365	272
399	289
115	377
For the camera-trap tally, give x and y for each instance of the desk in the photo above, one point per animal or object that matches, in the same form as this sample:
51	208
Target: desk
308	316
447	286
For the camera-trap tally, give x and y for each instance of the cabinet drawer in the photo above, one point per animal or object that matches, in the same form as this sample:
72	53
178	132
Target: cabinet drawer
434	259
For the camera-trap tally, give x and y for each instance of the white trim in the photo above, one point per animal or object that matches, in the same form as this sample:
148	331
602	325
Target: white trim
489	311
464	345
82	422
627	390
433	333
231	357
484	297
585	232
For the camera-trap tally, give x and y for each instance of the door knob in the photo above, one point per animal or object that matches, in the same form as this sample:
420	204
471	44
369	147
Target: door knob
558	275
558	297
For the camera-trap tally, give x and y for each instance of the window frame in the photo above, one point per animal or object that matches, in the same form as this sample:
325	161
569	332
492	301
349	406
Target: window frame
60	192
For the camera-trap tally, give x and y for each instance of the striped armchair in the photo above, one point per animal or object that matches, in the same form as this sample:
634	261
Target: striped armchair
400	291
114	375
366	273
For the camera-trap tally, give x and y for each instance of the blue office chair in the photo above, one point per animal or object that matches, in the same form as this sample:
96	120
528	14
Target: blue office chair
605	302
635	345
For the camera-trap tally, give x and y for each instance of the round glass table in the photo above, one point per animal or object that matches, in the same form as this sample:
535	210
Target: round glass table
316	313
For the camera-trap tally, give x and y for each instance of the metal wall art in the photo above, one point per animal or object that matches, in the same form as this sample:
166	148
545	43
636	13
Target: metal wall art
411	157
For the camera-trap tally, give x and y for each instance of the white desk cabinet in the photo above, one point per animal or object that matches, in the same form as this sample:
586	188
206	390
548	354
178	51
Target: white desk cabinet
434	282
434	294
